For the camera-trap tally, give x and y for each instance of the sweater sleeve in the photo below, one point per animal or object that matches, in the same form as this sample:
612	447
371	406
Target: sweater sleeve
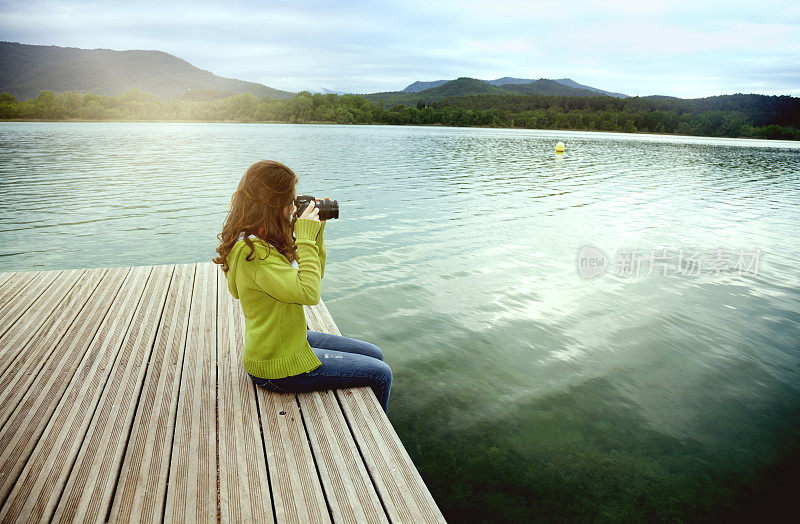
296	286
321	249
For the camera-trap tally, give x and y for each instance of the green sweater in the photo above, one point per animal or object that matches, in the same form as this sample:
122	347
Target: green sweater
272	294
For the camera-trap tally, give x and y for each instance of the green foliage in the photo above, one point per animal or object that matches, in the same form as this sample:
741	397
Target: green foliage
205	95
754	116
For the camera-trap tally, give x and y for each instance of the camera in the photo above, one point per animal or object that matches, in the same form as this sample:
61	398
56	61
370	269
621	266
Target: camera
327	208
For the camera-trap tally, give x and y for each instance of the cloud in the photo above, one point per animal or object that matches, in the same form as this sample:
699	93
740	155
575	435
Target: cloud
677	48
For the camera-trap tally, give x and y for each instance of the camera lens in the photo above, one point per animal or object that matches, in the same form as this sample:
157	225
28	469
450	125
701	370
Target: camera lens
327	208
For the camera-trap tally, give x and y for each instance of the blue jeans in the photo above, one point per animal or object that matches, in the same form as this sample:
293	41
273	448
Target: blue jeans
346	363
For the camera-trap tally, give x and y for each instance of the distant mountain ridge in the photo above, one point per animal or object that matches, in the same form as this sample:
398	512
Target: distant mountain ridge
25	70
543	86
465	86
416	87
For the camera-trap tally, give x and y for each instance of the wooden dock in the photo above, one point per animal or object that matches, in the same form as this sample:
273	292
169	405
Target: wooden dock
122	398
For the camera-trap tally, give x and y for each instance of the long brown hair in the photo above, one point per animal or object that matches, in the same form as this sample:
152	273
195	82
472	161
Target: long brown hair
257	208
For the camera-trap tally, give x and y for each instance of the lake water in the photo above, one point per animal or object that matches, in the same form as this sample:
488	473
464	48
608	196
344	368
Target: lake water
523	388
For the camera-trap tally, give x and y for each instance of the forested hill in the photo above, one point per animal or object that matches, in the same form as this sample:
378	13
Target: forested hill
471	86
25	70
546	86
416	87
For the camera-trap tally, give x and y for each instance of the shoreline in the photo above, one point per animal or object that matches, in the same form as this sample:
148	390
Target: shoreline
119	121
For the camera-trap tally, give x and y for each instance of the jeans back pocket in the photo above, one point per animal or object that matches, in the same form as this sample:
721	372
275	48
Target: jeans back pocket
267	384
274	387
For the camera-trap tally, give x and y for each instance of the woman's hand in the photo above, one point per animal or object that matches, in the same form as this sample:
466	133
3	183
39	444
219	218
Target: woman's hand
311	212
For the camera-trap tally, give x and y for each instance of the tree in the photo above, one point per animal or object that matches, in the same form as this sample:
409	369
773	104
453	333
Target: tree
301	107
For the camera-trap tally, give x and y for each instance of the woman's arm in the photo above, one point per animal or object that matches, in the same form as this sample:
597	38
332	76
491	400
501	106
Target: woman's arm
321	249
287	284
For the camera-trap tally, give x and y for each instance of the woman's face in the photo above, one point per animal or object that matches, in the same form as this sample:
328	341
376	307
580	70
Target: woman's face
290	209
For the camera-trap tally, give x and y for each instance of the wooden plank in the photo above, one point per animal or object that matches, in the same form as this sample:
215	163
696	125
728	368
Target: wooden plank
39	486
244	484
37	350
87	494
296	490
135	371
404	494
350	492
142	485
192	491
5	277
28	421
26	311
20	283
347	485
20	291
320	318
11	282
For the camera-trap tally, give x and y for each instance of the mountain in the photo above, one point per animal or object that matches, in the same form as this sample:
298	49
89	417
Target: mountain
544	86
325	91
458	87
572	83
471	86
661	97
506	81
416	87
27	69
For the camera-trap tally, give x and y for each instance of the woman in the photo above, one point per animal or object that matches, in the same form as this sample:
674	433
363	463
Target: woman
273	267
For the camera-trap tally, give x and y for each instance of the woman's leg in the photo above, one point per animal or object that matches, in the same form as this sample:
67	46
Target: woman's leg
317	339
338	370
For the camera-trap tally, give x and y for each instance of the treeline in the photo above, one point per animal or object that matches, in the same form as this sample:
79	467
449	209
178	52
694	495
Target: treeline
725	116
759	110
137	105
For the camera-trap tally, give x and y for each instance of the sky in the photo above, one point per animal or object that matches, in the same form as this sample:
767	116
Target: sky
679	48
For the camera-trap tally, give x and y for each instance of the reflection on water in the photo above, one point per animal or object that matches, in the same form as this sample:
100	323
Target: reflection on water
521	389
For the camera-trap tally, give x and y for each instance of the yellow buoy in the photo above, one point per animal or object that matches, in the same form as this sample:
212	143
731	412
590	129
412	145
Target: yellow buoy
560	147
